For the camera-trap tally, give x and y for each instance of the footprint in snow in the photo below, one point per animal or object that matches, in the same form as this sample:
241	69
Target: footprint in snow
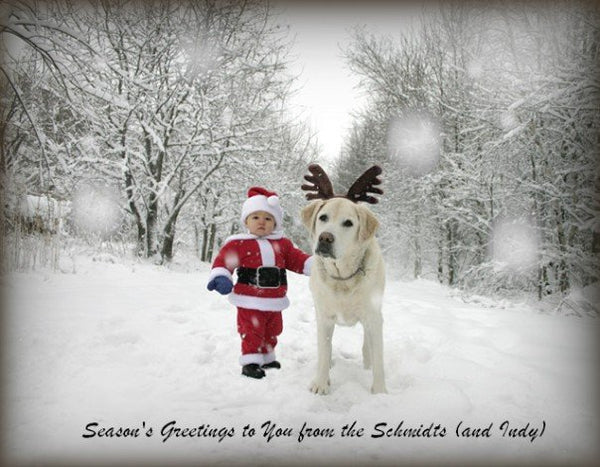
422	354
176	313
179	319
121	339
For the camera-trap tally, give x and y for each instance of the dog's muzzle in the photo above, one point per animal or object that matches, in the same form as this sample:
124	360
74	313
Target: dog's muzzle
325	245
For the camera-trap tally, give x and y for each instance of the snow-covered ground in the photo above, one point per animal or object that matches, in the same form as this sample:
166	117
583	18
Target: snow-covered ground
139	346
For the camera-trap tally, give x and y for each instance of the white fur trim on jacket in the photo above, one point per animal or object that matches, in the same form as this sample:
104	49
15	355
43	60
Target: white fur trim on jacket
307	266
219	272
248	236
267	254
259	303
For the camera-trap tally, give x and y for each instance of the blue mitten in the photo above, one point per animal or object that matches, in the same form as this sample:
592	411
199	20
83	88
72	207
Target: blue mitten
221	284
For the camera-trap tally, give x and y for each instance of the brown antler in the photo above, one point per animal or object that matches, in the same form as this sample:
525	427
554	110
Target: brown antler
360	189
321	184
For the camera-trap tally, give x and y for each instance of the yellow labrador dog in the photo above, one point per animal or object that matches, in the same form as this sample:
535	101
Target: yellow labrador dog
347	277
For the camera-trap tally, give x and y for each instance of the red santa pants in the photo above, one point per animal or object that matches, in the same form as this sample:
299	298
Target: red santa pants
259	331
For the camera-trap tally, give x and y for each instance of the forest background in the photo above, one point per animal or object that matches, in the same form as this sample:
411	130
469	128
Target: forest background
135	129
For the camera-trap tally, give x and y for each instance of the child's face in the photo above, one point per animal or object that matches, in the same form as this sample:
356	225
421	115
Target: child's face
260	223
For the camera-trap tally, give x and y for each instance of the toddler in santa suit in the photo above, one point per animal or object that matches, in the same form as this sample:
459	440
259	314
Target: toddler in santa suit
261	257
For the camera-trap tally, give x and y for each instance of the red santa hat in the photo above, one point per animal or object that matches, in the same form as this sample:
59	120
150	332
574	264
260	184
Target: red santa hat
260	199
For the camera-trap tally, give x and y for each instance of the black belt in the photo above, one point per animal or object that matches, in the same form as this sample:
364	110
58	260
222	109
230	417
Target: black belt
264	277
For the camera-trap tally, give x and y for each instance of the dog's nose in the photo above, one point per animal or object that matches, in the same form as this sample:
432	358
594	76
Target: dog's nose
326	237
325	245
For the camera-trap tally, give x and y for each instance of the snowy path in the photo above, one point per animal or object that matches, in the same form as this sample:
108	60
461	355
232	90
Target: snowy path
138	346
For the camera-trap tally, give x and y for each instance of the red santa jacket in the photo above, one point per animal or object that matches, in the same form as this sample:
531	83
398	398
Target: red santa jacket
251	251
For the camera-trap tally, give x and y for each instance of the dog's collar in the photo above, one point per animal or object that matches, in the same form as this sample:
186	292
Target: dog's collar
360	270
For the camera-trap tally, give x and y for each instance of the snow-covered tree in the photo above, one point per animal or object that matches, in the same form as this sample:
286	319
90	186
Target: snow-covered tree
504	99
177	102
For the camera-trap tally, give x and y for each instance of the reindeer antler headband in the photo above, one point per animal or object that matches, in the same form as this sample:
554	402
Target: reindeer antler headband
321	187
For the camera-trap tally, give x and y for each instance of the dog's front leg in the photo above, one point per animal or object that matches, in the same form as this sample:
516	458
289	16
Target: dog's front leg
366	349
325	326
374	336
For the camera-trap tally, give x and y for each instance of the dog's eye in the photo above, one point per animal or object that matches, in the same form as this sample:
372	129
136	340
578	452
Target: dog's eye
347	223
323	218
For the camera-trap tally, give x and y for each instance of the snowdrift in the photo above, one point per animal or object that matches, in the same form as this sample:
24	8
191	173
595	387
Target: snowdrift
133	362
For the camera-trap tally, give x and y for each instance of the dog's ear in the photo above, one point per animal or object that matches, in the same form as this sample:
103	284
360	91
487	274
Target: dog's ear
368	223
308	213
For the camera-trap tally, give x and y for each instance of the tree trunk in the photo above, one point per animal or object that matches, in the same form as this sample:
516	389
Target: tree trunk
155	168
166	252
151	244
595	243
168	239
563	268
440	269
211	242
197	241
129	192
543	282
451	238
418	262
418	265
204	256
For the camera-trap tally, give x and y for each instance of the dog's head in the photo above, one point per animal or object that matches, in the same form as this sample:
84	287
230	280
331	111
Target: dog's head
337	226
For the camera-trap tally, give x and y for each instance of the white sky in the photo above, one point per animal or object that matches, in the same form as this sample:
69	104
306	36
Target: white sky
328	91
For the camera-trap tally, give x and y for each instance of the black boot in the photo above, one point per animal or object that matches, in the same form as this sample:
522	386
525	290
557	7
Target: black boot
273	364
253	370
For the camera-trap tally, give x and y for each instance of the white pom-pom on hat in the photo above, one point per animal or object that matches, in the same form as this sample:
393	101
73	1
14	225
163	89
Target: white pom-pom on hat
261	199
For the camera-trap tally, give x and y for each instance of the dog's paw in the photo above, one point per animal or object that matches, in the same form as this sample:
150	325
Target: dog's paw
319	388
378	388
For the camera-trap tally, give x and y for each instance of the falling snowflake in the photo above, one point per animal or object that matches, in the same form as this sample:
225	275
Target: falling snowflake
414	142
96	210
475	68
232	260
508	120
514	245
